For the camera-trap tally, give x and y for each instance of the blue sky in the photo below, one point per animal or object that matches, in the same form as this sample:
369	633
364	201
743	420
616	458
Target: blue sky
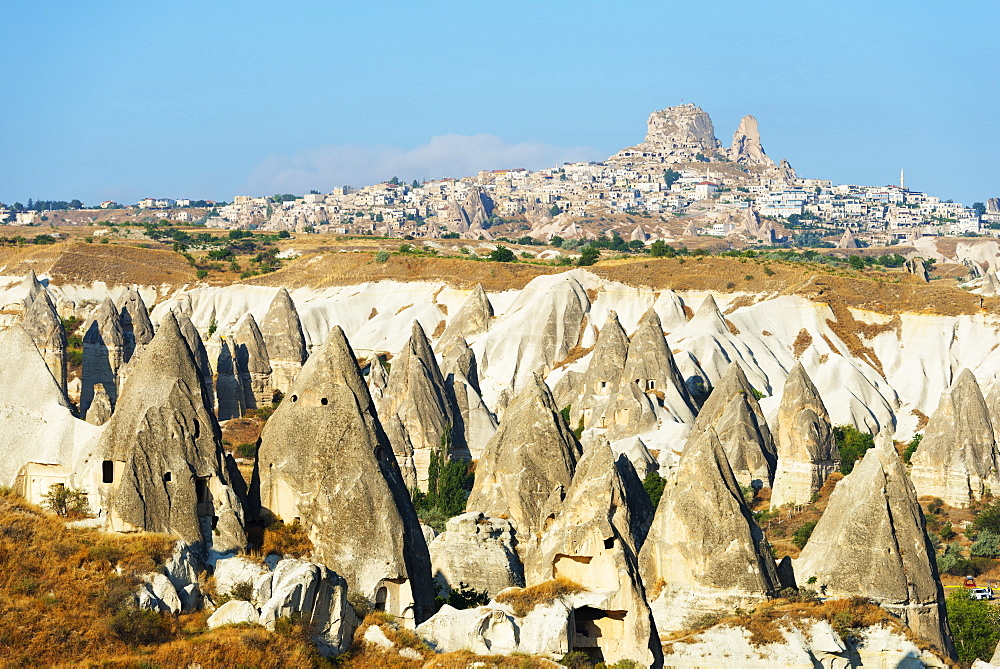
121	100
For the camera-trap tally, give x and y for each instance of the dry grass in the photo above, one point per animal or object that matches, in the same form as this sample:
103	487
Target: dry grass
524	600
802	342
922	419
241	431
286	539
115	264
732	327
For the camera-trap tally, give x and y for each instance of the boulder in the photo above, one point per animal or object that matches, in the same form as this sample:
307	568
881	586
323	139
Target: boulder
478	552
161	453
157	593
807	449
532	454
284	340
417	411
234	612
704	551
319	596
325	460
872	542
733	411
103	354
238	570
957	459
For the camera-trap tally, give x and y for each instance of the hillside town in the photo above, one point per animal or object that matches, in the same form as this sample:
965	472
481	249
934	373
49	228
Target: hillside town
680	181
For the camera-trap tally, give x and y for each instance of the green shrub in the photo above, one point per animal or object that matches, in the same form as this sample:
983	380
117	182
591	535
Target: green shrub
975	625
654	484
501	254
953	563
136	627
801	536
66	502
247	450
202	273
911	448
988	520
852	444
382	256
242	591
987	545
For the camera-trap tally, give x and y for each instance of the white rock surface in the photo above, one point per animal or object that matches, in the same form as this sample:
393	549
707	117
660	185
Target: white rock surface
234	612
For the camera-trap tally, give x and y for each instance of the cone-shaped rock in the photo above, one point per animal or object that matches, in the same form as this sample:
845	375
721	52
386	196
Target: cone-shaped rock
31	286
253	365
531	455
733	411
325	460
163	465
872	542
200	353
103	354
746	148
704	552
41	321
461	378
36	425
473	318
807	449
100	408
229	394
594	540
416	409
603	378
286	345
378	378
650	366
957	458
137	329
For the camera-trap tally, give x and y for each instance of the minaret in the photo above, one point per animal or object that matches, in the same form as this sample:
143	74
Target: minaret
902	181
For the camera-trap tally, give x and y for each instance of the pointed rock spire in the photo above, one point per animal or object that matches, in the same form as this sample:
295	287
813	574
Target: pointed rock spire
197	348
807	449
253	365
42	323
137	329
746	148
704	551
847	240
416	409
461	378
162	452
650	366
103	353
286	345
325	460
594	539
228	389
378	378
733	411
533	453
872	542
473	318
708	319
100	408
957	459
603	378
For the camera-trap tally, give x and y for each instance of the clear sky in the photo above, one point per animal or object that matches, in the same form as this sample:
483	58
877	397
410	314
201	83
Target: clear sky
211	99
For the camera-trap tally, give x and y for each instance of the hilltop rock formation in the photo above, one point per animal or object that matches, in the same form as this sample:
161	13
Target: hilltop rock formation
675	134
162	468
41	321
594	539
36	424
477	551
103	354
137	329
704	551
746	148
100	407
253	365
325	460
872	542
807	449
530	458
286	345
957	459
417	411
733	411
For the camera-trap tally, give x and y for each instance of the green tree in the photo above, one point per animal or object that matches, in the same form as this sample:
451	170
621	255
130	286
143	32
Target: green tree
501	254
912	448
987	545
555	210
588	255
975	626
852	444
801	536
556	241
654	485
856	262
979	207
670	177
415	184
660	249
448	481
988	520
66	502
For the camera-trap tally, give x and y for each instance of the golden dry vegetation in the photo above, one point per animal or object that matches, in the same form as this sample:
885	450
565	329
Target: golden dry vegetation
524	600
780	525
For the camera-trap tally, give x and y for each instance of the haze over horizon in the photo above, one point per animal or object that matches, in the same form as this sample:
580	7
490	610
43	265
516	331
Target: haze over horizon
208	101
